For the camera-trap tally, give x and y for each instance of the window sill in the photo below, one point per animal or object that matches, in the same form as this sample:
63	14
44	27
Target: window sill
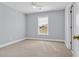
42	34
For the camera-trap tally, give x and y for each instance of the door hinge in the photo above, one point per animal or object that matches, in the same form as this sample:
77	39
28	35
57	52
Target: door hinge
70	42
70	11
71	27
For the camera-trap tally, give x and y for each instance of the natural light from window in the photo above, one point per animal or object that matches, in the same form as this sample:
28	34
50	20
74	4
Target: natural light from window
43	25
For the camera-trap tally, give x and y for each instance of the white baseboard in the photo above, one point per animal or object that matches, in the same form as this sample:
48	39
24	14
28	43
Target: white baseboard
16	41
59	40
13	42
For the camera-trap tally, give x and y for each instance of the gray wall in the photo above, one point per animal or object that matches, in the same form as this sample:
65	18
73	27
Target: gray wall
15	25
56	25
12	25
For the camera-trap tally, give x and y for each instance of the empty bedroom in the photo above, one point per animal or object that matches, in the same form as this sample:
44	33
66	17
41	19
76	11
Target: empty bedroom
34	29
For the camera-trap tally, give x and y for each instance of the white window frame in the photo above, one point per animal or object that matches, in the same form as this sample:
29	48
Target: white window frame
47	25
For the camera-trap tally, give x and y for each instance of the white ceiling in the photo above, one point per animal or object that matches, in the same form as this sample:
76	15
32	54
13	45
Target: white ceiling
26	7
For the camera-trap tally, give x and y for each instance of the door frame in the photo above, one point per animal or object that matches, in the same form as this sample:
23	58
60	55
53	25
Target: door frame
73	24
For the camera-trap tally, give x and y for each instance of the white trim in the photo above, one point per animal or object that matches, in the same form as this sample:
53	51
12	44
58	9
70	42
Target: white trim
59	40
16	41
13	42
72	53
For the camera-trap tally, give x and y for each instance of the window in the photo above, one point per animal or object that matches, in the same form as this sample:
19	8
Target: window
43	25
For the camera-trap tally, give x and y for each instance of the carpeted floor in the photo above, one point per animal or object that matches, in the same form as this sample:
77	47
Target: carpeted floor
35	48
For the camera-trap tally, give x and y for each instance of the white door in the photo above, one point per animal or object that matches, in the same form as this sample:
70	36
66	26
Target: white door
76	30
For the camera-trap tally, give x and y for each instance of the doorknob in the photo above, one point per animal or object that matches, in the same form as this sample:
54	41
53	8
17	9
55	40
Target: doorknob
76	37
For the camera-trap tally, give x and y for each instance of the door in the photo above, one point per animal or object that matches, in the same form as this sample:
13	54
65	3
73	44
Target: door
76	30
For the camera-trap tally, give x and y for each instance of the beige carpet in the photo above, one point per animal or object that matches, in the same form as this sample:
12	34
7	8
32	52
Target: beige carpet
35	48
